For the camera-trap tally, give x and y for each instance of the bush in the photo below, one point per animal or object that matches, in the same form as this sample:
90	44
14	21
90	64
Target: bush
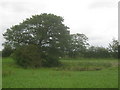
50	61
30	56
7	51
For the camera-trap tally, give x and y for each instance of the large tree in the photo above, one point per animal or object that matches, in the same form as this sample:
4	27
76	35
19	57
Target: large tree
46	31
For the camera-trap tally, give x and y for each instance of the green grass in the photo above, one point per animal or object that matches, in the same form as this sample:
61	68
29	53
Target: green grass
69	75
0	72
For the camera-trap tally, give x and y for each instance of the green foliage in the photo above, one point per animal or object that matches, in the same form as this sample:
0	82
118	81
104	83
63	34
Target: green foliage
28	56
113	48
50	61
47	31
53	40
97	52
77	45
7	51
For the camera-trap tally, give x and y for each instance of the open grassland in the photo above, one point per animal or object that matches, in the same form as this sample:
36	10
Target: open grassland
85	73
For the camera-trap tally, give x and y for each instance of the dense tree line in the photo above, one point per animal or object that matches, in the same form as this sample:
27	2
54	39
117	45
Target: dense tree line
88	51
42	39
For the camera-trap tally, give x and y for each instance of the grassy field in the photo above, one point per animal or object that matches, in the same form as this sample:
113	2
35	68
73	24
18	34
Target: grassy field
85	73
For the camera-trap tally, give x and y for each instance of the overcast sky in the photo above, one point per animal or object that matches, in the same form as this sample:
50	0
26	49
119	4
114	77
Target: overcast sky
97	19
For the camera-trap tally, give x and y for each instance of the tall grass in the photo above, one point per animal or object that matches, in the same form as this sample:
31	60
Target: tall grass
87	65
17	77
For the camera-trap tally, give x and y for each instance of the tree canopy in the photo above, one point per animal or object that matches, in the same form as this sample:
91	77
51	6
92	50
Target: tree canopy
45	30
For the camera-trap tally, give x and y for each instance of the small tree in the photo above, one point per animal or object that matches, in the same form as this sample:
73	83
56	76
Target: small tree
113	48
77	45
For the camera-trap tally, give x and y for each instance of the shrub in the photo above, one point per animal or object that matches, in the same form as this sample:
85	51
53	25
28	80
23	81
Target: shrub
50	61
7	51
30	56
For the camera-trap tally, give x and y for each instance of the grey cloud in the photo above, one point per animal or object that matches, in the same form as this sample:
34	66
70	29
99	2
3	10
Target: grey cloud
103	4
15	6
